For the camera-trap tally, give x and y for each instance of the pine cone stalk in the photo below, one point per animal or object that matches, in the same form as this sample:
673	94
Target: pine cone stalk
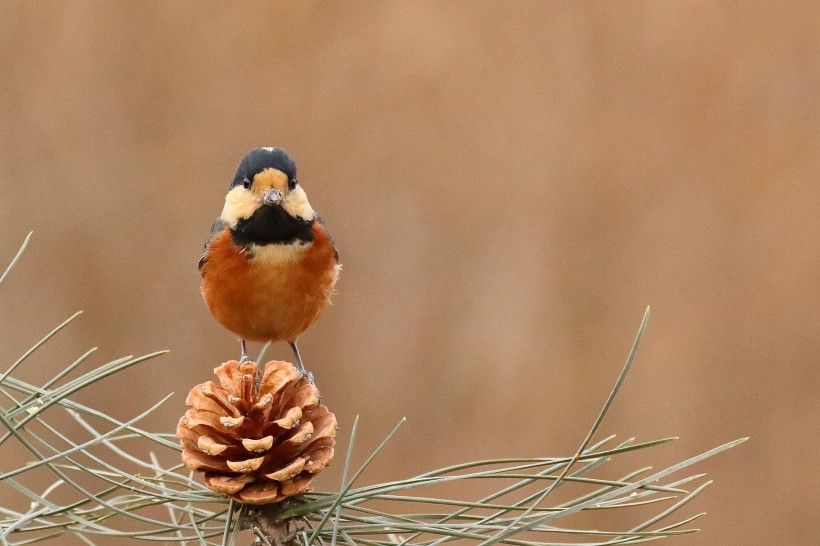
257	440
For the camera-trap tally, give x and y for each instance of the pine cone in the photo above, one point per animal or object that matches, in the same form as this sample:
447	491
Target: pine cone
257	442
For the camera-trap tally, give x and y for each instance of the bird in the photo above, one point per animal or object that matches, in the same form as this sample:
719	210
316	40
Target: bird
269	266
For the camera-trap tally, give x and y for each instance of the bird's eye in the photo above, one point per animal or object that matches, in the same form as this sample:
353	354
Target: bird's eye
246	184
292	183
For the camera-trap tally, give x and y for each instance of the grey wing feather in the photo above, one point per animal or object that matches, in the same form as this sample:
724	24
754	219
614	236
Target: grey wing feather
217	227
329	236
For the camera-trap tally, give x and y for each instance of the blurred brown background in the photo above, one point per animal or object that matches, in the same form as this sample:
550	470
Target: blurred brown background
509	184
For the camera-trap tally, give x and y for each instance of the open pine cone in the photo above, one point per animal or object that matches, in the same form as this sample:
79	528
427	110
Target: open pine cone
257	443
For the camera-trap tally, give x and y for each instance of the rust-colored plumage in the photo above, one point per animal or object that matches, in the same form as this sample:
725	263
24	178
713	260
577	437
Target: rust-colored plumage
266	300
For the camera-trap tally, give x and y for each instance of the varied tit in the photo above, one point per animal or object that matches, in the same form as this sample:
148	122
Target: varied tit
270	265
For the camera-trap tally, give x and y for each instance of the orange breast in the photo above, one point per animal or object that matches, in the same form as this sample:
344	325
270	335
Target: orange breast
263	298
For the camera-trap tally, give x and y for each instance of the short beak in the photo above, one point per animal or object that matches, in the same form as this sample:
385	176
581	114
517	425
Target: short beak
272	197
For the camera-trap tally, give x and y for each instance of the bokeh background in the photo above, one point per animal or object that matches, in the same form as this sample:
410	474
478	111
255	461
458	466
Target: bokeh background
509	185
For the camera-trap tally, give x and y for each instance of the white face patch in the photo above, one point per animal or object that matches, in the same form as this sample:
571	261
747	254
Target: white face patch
296	204
239	204
277	253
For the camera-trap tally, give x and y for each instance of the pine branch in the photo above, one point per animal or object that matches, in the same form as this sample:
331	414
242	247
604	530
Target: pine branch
115	484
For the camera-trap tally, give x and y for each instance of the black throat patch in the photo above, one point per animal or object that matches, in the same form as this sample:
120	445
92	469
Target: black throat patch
272	225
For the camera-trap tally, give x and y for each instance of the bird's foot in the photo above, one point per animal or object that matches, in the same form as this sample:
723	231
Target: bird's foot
243	358
299	364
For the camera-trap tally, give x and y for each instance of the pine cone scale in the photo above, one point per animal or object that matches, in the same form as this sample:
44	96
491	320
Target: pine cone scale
246	466
291	418
227	485
258	446
210	446
196	460
289	471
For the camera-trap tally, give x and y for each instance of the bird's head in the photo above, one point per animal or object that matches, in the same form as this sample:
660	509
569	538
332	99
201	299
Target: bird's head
266	177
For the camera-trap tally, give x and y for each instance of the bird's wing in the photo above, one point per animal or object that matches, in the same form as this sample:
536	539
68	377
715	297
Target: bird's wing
329	237
216	228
